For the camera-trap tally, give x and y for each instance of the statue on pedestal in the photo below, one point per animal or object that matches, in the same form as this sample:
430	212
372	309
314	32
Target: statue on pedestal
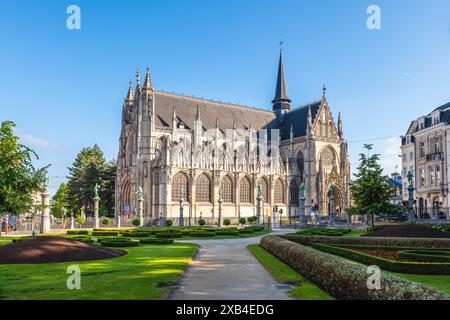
96	189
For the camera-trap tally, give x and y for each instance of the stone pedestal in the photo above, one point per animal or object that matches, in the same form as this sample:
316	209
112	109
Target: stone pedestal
181	220
72	222
118	221
45	216
275	224
220	212
259	210
96	206
141	211
411	217
302	218
332	212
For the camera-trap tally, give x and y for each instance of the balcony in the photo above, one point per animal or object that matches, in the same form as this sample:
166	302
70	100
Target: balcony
435	156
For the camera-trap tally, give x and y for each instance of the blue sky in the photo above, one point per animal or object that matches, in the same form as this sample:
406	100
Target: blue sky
64	88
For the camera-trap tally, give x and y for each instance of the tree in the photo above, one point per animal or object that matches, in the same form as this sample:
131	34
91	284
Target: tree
370	191
60	201
88	169
18	177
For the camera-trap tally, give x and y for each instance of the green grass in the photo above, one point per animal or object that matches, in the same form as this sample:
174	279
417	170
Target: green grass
138	275
441	283
305	290
355	233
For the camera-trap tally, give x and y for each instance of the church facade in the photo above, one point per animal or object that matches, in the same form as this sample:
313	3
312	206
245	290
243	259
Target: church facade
184	151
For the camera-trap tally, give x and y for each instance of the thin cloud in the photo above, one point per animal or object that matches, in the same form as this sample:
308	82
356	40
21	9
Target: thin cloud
406	74
37	142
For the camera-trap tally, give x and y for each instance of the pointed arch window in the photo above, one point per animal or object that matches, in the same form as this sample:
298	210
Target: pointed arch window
294	192
279	192
227	189
203	189
179	184
265	190
245	193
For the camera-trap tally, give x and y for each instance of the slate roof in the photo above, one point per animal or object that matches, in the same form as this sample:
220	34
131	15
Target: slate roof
210	111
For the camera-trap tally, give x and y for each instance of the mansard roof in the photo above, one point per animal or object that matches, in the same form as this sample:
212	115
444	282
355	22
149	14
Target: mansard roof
210	111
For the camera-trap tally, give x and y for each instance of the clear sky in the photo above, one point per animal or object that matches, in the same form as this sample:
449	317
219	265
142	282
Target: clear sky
65	88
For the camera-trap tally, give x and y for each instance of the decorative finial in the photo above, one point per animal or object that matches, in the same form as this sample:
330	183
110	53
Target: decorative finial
324	89
138	76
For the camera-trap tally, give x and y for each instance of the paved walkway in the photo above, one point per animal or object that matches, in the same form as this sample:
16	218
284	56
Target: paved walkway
226	270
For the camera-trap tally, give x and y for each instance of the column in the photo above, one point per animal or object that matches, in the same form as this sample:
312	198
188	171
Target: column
45	216
332	212
259	210
181	219
411	216
96	206
220	211
141	211
302	212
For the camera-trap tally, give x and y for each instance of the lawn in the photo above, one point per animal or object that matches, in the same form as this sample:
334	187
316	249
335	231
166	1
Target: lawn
140	274
305	290
441	283
356	233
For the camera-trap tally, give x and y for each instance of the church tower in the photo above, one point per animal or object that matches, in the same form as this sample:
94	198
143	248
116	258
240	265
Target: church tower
281	102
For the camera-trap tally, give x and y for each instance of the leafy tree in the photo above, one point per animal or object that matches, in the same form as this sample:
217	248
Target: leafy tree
60	201
18	177
88	169
370	191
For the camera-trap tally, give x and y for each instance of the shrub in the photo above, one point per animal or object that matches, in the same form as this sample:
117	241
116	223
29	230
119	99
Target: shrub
246	230
386	242
115	239
386	264
227	233
168	235
202	234
106	221
323	232
84	239
77	232
226	222
137	234
81	220
344	279
156	241
136	222
104	233
242	220
201	222
120	243
168	223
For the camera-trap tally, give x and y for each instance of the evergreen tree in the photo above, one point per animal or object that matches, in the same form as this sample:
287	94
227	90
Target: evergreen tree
370	191
18	177
60	201
107	193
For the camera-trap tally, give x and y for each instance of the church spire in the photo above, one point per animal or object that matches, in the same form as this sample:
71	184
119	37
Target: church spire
340	130
130	94
197	116
174	119
281	100
148	81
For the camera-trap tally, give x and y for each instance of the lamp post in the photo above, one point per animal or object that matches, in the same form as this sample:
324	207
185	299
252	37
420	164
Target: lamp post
220	207
411	216
181	220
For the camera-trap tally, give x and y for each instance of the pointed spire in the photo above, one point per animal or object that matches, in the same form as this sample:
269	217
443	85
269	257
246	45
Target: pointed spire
130	94
340	130
217	123
148	81
138	77
309	123
281	100
197	117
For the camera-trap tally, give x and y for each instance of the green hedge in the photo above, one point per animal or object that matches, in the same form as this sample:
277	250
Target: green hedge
388	242
137	234
156	241
202	234
386	264
423	255
104	233
344	279
324	232
120	243
77	232
168	235
246	231
227	233
116	239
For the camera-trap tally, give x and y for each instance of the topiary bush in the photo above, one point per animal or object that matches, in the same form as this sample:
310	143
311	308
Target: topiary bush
168	223
136	222
201	222
77	232
106	221
344	279
156	241
242	220
226	222
81	220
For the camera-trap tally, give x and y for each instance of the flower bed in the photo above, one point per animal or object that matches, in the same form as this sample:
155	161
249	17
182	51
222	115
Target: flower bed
344	279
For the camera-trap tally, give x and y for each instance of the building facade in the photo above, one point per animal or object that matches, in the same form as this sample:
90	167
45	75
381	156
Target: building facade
174	147
425	152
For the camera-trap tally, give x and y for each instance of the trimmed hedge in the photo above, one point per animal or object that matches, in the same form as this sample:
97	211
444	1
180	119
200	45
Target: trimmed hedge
227	233
104	233
137	234
345	279
324	232
386	264
116	239
387	242
202	234
423	255
246	230
156	241
121	244
77	232
168	235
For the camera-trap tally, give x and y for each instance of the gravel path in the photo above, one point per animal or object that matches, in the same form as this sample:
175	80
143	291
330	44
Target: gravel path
226	270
